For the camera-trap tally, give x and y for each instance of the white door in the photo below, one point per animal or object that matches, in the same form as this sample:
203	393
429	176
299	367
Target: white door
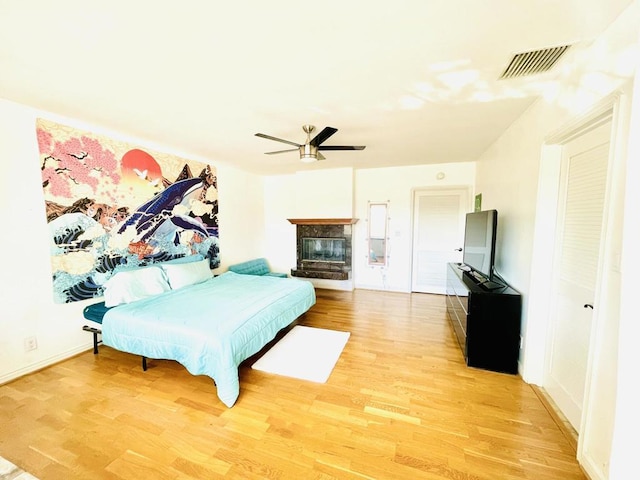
438	236
576	262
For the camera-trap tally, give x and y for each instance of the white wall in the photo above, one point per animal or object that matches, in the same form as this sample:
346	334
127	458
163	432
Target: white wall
25	280
396	186
241	215
627	423
279	205
506	178
306	194
323	193
343	193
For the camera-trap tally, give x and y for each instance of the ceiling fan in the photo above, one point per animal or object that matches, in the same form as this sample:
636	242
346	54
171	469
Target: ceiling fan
310	151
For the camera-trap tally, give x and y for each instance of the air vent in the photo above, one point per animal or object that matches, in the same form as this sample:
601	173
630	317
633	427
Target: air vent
534	62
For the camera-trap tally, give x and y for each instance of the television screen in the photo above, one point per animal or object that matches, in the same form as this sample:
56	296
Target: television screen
480	241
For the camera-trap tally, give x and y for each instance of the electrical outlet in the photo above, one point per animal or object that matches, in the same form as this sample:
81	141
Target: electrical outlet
30	343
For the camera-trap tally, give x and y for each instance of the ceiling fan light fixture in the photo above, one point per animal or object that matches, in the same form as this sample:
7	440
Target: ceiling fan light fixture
308	153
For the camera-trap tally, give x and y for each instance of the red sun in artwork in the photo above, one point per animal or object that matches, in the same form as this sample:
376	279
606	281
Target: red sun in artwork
138	164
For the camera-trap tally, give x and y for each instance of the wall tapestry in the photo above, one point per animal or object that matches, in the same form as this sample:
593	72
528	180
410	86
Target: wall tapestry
113	206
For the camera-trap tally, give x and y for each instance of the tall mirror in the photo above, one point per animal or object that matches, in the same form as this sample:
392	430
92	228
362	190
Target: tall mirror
378	233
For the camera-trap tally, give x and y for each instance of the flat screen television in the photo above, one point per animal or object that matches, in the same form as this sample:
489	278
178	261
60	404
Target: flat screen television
479	250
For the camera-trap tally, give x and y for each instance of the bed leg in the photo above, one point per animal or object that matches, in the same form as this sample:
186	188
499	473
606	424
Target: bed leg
144	363
95	332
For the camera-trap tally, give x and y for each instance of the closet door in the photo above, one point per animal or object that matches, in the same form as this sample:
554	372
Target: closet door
576	265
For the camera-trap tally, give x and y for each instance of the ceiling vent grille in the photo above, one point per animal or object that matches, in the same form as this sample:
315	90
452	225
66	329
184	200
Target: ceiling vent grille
534	62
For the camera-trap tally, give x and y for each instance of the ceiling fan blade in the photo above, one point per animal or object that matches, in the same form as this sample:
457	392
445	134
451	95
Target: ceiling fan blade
323	136
282	151
342	147
269	137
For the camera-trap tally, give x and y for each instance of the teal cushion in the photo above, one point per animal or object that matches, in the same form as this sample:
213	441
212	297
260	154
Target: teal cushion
259	266
252	267
95	312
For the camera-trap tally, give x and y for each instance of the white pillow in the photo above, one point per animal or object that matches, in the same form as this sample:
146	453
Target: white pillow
184	274
131	285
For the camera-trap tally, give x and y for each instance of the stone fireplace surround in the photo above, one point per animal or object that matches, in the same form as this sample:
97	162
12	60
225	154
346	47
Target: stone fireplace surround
323	228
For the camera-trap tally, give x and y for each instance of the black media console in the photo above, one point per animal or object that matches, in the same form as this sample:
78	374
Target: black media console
486	321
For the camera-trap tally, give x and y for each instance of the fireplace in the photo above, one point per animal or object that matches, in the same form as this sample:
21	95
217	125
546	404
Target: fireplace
318	249
323	248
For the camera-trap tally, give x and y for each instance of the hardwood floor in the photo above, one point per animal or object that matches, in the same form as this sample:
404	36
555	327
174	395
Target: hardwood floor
400	404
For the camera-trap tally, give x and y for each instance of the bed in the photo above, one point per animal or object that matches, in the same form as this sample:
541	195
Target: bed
208	324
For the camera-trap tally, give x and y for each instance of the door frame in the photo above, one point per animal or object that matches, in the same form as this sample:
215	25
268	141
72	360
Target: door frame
615	107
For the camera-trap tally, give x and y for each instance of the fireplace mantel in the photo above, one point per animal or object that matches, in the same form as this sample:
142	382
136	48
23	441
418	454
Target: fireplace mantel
322	221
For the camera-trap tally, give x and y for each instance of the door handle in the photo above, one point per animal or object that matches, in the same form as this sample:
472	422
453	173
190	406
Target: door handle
458	249
588	305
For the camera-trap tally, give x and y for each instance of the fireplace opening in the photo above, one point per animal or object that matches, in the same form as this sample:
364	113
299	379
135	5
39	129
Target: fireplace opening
324	250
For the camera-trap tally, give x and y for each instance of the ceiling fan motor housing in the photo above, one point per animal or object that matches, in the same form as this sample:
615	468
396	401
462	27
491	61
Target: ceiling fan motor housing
308	153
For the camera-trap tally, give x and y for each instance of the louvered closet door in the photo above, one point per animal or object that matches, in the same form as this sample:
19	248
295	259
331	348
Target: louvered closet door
438	235
576	262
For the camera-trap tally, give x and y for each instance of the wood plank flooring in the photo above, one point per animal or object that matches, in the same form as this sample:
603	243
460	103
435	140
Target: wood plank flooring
400	404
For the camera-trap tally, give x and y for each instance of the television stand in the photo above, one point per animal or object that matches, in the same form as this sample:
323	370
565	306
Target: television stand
486	321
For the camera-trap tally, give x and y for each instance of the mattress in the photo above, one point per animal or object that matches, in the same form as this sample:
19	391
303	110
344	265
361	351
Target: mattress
209	327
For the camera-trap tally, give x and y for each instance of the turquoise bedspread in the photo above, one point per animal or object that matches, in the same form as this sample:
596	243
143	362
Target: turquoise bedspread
210	327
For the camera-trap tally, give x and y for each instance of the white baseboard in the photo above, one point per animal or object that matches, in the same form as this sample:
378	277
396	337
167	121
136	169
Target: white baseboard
380	288
592	469
46	362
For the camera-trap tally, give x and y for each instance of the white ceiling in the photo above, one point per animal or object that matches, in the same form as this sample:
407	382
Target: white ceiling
416	81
